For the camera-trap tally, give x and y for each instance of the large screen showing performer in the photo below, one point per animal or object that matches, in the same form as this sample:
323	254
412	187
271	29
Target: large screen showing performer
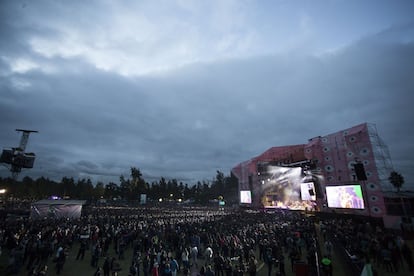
245	197
307	191
286	188
345	196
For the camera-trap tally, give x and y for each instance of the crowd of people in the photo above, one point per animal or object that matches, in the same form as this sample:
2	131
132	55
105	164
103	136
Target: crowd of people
368	243
188	241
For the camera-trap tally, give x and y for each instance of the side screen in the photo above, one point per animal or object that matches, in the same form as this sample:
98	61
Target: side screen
346	196
307	191
245	197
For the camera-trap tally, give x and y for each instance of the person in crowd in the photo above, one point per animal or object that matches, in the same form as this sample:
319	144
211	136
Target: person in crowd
228	267
60	259
294	256
146	264
386	259
208	255
133	269
328	247
98	272
367	269
81	251
166	270
326	266
268	258
185	258
209	271
154	270
106	266
281	261
252	265
174	266
194	256
219	264
96	252
408	256
202	271
42	271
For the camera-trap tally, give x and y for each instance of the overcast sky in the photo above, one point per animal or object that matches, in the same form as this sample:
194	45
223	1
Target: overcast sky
181	89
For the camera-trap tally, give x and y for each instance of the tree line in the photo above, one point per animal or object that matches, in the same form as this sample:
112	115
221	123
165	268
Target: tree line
128	189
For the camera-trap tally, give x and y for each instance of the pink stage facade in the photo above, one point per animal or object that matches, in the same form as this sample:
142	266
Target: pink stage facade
343	172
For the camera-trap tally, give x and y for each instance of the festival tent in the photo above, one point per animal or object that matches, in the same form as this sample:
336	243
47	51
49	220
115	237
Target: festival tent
56	209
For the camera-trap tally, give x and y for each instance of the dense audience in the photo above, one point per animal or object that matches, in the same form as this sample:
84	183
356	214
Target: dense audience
365	242
201	241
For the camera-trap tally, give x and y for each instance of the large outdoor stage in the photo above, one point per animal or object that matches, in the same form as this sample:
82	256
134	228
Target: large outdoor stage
343	172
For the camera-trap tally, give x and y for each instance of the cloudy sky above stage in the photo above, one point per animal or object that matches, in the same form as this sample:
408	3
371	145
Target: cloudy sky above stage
181	89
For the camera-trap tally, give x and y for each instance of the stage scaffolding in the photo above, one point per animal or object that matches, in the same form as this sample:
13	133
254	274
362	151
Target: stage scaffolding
382	158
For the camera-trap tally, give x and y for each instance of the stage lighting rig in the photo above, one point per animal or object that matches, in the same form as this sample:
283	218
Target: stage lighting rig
17	158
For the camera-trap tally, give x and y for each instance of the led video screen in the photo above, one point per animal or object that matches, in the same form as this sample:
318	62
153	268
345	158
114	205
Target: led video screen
281	187
345	196
307	191
246	197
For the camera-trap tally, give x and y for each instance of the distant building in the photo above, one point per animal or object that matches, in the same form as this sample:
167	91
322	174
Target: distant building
345	172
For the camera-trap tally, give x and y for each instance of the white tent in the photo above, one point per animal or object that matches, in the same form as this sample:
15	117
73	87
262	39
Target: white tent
56	209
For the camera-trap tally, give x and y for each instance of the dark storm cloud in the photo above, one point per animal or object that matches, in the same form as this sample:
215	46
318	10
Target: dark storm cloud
186	123
190	131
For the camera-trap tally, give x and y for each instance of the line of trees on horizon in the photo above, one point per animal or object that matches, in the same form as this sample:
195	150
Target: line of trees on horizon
128	189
